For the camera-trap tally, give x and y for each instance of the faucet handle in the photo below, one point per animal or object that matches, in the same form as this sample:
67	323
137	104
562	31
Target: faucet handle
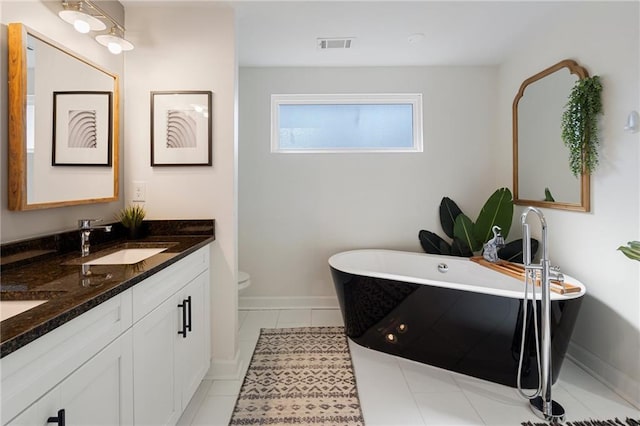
557	276
86	223
554	271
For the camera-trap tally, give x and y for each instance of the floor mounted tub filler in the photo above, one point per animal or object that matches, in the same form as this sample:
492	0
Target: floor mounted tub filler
449	312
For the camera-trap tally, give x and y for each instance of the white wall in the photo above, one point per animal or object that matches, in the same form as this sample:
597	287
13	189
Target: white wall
189	47
604	38
296	210
42	17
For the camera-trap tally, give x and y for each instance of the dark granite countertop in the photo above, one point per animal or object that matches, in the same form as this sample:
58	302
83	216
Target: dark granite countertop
51	268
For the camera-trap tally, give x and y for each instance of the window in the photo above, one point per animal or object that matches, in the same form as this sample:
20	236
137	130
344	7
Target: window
346	123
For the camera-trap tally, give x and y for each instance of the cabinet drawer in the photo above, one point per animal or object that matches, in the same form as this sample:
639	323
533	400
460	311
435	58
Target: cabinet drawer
151	292
34	369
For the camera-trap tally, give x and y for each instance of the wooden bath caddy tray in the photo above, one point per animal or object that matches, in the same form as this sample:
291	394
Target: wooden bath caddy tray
517	271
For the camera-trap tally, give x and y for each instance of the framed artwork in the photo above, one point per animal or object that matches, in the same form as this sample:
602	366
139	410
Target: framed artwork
82	123
181	128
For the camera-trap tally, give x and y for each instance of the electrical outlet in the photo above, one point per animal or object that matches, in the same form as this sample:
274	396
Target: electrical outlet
139	191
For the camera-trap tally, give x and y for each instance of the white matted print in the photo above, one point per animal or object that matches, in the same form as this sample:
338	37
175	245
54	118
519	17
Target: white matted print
181	128
81	129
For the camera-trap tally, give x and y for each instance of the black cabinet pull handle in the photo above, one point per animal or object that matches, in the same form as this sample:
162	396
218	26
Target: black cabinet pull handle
183	305
59	419
188	301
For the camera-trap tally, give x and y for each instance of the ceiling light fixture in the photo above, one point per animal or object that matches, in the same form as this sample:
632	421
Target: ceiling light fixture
114	41
82	21
88	15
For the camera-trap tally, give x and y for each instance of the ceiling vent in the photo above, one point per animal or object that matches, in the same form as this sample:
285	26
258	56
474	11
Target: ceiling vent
335	43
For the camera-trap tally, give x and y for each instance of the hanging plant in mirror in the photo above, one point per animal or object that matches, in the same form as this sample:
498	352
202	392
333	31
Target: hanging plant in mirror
580	125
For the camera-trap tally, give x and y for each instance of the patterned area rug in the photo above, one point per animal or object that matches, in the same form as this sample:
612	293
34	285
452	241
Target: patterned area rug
590	422
299	376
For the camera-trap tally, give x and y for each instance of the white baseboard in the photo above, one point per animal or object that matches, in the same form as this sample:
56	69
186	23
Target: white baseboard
225	369
189	413
613	378
303	302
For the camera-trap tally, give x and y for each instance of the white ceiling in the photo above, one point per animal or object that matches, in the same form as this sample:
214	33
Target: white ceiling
456	32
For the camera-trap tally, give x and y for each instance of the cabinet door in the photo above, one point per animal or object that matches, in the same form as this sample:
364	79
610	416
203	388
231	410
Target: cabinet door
98	393
38	412
194	349
156	396
101	391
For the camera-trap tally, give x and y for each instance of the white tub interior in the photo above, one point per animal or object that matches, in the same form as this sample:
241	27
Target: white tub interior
422	268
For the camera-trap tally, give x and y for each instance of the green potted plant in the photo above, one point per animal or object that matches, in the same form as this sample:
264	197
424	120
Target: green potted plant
580	125
631	250
467	236
131	218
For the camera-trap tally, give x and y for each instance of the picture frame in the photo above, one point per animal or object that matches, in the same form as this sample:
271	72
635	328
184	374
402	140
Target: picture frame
181	128
82	129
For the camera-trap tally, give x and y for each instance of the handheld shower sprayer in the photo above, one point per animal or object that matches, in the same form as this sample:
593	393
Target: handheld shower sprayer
541	402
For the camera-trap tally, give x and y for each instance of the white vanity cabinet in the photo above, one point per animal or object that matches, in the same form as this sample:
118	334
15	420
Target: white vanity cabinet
122	362
171	348
98	393
83	367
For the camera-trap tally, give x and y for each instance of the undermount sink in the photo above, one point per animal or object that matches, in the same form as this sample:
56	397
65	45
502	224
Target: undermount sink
127	253
10	308
127	256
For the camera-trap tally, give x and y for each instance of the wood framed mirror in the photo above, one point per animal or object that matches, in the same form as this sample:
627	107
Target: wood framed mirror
63	125
541	172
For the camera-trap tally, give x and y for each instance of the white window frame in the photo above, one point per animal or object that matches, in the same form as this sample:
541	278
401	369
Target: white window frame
415	99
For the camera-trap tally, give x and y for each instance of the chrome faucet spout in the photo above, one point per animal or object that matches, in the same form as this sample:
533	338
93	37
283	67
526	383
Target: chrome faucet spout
526	236
86	226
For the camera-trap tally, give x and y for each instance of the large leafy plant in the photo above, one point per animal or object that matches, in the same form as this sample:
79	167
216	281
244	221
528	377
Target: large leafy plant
631	250
467	236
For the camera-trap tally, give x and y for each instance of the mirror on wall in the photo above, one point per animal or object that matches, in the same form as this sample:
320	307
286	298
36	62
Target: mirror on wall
541	173
63	125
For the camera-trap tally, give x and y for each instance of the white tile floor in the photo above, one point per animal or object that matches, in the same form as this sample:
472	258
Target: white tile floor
394	391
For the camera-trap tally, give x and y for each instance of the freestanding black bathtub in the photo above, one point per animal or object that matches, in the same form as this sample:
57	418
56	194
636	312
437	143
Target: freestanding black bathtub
448	312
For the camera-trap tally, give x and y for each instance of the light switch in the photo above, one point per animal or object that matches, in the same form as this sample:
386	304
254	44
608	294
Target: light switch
139	191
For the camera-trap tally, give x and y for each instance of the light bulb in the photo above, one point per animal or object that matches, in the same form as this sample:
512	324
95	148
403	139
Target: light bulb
81	26
114	48
115	44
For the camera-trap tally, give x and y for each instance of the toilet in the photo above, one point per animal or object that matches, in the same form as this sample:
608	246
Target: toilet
244	280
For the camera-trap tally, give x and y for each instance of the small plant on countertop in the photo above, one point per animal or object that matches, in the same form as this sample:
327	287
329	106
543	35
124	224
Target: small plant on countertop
131	216
469	237
631	250
580	125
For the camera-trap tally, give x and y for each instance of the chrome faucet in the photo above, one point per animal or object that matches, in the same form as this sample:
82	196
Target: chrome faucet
86	226
490	248
541	402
